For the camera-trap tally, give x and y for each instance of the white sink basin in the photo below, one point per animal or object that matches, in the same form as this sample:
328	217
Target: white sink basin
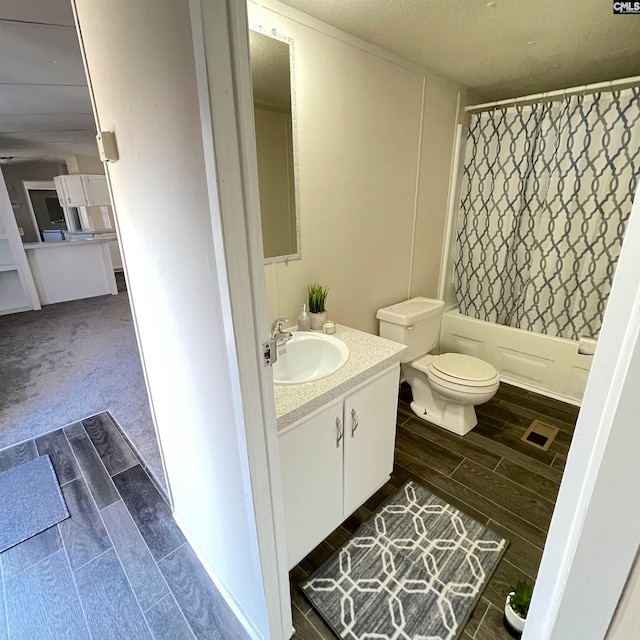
309	357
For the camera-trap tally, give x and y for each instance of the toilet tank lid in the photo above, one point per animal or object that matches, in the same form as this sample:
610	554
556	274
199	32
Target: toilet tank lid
411	311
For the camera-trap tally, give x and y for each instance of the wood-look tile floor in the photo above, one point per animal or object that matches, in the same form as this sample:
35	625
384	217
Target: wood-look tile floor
489	474
119	567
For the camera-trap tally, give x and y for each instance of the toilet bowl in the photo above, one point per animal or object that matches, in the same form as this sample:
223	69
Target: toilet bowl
445	387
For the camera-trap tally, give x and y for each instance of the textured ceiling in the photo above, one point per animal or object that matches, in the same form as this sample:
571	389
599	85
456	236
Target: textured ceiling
270	71
45	109
487	48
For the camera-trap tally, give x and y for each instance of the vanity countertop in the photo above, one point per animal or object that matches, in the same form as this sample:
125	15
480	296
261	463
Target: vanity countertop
368	355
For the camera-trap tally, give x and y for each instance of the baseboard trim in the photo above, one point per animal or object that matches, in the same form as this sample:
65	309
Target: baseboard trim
227	596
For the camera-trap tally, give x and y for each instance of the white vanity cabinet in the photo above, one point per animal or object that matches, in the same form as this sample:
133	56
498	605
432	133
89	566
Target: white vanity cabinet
333	460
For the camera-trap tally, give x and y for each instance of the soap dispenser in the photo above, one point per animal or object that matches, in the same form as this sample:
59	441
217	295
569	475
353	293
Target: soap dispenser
304	320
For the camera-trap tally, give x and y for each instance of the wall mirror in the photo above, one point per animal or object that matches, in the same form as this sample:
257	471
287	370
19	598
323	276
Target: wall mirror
274	109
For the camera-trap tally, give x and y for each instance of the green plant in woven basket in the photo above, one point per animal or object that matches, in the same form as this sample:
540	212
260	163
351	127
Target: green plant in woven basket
521	598
317	297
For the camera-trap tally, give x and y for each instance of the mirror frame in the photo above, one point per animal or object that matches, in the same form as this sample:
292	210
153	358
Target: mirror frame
273	33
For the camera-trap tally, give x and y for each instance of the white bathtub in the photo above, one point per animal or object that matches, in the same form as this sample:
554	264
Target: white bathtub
533	361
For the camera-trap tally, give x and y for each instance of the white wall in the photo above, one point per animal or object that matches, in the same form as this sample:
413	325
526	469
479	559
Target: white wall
85	164
141	66
375	137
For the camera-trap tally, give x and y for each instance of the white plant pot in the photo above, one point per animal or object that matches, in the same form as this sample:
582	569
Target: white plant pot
318	319
512	618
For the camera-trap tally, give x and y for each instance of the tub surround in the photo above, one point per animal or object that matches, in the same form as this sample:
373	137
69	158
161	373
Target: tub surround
537	362
369	355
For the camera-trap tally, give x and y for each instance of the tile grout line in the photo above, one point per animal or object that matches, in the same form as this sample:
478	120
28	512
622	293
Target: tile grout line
476	492
169	589
449	449
84	564
532	524
164	491
514	533
75	584
88	437
518	459
499	474
108	535
484	615
457	467
539	495
170	595
173	595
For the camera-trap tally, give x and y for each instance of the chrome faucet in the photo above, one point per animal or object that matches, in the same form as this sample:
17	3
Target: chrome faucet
277	334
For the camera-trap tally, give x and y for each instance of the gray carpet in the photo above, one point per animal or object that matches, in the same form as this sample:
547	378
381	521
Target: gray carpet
31	501
70	361
415	570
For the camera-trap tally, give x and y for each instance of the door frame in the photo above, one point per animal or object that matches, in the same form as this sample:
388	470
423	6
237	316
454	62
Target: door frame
42	185
221	47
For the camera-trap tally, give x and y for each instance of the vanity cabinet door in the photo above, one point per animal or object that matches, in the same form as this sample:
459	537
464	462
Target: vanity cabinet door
311	462
370	431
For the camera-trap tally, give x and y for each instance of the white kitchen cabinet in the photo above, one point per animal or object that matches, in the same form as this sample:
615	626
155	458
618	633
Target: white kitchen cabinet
311	463
61	190
82	190
335	459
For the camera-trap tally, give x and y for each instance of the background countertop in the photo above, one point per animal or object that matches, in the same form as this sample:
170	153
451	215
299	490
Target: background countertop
66	243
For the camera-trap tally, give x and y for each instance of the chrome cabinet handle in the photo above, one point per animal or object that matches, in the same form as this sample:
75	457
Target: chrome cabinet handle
340	434
354	422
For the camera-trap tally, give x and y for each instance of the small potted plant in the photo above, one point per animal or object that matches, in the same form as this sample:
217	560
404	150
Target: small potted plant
517	607
317	311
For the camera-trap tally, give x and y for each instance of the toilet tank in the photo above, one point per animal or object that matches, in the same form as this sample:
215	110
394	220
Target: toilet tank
414	322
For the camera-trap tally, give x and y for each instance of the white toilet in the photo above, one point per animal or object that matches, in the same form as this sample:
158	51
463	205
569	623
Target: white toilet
446	387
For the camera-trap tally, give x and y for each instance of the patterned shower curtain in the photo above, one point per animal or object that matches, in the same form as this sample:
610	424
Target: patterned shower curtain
546	194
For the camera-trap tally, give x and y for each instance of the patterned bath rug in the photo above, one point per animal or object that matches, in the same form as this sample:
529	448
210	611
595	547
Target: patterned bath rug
414	571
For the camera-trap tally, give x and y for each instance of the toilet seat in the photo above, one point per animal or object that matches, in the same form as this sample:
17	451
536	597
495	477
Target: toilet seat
454	370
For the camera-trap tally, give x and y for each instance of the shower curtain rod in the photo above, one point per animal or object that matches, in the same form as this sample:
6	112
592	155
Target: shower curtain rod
550	95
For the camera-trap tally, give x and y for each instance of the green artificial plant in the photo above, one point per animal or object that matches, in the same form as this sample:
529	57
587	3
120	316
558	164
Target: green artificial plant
521	598
317	297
